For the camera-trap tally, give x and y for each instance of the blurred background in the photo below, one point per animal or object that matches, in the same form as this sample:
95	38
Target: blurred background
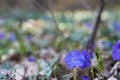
43	31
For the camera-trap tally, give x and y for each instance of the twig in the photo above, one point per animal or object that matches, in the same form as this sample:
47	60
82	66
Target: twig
96	25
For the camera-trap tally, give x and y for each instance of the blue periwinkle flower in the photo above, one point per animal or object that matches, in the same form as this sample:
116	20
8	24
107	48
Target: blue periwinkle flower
116	51
77	59
31	59
2	35
88	24
84	77
116	26
12	37
87	59
29	37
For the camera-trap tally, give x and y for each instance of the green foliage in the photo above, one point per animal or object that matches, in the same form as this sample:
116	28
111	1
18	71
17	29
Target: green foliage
7	66
100	63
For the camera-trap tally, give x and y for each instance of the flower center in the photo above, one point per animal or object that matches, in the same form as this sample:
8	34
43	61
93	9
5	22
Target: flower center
74	59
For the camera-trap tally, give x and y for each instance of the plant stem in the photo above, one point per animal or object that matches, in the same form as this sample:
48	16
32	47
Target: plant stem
75	73
92	73
103	74
75	76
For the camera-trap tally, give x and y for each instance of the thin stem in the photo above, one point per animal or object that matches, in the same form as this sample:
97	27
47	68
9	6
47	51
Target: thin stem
103	74
54	72
75	77
92	72
75	73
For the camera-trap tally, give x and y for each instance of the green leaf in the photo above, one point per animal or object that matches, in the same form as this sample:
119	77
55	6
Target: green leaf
22	48
6	66
67	76
1	76
45	68
5	51
99	60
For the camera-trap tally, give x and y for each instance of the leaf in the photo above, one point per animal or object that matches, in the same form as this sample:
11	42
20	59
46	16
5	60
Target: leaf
54	60
22	48
99	60
43	43
6	66
1	76
5	51
46	66
67	76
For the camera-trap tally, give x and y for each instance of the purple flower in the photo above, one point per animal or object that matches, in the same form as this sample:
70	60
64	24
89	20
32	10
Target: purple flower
2	35
31	59
116	26
87	57
77	59
84	77
116	51
29	37
88	24
12	37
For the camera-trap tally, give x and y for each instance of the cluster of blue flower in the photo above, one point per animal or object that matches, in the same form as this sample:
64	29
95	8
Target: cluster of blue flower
82	59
